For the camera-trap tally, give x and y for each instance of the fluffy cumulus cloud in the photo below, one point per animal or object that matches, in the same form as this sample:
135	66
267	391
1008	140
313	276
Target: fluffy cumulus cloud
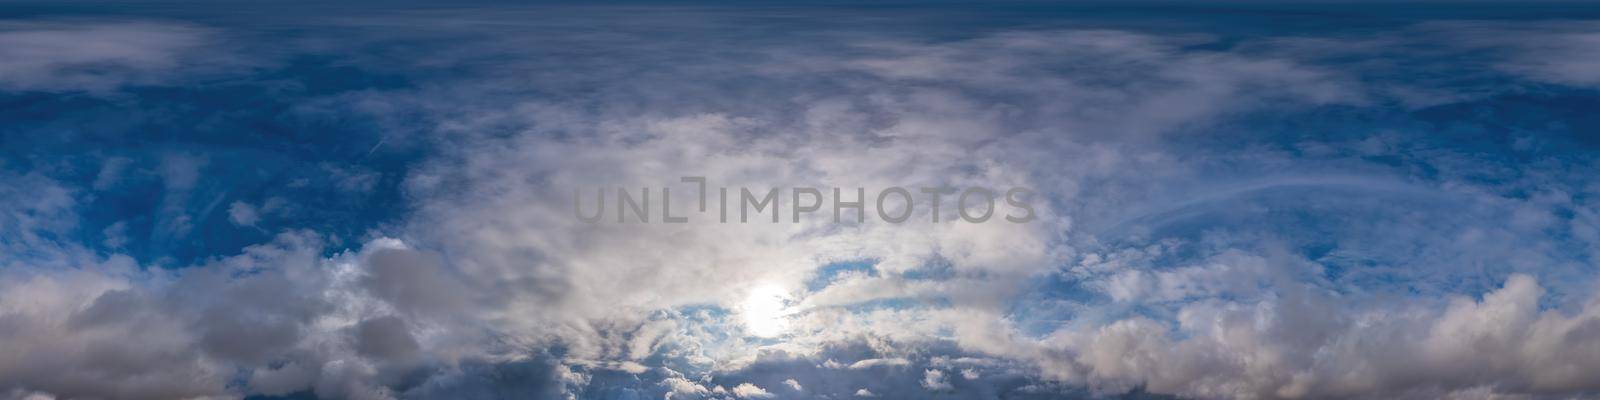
357	203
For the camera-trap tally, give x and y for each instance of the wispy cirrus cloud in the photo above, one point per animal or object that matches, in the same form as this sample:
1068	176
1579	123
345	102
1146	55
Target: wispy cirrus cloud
98	56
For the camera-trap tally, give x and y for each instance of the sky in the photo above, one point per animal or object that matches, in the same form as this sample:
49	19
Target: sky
1230	200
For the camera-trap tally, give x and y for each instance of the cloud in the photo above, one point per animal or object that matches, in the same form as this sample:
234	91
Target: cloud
35	209
1219	218
295	320
934	380
243	214
94	56
880	362
1568	58
1561	53
679	387
748	391
1296	348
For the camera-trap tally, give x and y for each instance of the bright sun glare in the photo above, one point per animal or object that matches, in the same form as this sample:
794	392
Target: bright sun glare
763	311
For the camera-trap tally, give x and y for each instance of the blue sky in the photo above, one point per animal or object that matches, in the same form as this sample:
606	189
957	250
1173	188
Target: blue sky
1236	200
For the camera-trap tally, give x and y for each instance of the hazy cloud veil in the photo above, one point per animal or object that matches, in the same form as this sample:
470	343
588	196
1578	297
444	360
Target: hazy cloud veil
358	201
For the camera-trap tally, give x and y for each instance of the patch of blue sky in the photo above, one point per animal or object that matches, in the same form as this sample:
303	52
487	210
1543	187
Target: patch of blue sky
832	272
167	163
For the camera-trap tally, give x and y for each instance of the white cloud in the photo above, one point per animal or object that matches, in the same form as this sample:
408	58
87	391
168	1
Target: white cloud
749	391
880	362
1276	348
494	269
1566	54
935	380
243	214
93	56
296	321
1247	308
680	387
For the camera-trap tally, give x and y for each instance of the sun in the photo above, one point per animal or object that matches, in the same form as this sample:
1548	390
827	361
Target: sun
764	311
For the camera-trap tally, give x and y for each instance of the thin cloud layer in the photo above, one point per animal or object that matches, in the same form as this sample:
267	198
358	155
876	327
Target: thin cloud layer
97	56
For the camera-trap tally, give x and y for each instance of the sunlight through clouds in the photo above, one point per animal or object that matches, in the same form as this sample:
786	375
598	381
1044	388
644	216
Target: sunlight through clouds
765	311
